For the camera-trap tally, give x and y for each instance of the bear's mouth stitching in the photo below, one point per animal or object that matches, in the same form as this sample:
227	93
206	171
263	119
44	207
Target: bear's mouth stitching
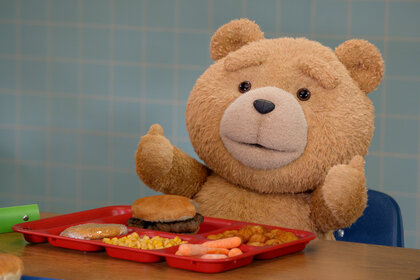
264	148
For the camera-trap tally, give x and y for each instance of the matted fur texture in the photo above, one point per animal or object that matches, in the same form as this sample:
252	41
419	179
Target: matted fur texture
321	190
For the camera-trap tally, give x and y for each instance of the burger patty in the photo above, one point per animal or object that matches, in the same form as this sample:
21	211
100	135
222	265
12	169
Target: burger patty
186	226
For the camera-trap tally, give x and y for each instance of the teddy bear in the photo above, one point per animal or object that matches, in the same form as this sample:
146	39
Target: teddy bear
282	127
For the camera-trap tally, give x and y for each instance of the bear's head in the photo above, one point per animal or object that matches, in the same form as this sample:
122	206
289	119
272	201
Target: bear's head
273	115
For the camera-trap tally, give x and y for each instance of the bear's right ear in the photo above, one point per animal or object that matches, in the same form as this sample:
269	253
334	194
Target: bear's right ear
363	61
232	36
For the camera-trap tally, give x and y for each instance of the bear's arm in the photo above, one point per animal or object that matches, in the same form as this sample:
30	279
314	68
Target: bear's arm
341	200
185	178
167	169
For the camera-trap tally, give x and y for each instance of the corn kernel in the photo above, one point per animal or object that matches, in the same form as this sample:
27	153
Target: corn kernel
133	240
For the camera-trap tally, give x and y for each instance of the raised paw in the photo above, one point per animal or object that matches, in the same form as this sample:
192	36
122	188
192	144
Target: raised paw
154	155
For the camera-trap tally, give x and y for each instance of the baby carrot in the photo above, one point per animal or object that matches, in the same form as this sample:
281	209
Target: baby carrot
223	251
199	250
228	243
234	252
213	256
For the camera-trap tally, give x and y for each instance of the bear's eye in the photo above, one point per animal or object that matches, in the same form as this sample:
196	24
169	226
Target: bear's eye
244	86
303	94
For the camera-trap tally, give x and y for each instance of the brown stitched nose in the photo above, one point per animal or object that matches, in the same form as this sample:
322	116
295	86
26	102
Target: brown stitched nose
263	106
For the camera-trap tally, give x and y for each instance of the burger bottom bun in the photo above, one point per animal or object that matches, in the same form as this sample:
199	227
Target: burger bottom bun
11	267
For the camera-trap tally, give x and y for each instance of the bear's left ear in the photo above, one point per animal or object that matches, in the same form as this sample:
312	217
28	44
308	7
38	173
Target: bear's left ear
364	62
232	36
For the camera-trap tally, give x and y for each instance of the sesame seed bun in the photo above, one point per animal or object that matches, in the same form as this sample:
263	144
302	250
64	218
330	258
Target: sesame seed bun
11	267
163	208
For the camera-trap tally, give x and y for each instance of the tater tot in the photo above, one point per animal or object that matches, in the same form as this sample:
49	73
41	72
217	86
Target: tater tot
212	236
288	237
272	242
258	229
257	235
246	232
255	244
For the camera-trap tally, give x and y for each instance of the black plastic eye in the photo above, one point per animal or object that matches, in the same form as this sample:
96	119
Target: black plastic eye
244	86
303	94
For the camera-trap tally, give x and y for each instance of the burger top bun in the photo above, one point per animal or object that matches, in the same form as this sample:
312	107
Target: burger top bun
11	267
163	208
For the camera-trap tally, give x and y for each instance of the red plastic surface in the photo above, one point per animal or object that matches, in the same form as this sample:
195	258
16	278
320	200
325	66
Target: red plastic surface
49	229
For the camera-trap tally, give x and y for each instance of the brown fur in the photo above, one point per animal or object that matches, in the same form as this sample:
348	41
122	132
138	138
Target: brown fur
167	168
323	189
363	61
319	70
231	37
243	59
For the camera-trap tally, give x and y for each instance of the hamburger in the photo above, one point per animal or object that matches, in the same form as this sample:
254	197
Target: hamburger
11	267
170	213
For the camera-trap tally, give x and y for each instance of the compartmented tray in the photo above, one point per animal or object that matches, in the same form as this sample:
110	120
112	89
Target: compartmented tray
49	229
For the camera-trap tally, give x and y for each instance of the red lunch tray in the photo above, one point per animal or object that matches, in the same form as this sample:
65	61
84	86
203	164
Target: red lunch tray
49	229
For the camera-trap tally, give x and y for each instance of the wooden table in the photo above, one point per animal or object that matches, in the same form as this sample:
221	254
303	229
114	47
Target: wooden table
320	260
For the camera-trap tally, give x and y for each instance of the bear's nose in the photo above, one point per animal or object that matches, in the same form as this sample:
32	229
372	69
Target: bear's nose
264	106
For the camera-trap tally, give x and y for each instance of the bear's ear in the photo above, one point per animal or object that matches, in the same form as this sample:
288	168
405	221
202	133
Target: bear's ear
363	61
232	36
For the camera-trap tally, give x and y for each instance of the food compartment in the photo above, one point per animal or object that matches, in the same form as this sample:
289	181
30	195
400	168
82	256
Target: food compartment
281	250
266	241
77	244
255	234
193	260
34	238
55	239
88	245
246	250
145	255
43	235
211	265
131	254
208	266
38	231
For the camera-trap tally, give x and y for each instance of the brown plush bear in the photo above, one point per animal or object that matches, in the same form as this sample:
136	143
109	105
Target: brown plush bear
282	126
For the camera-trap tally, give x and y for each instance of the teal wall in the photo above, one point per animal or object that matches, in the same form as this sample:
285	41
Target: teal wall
81	81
